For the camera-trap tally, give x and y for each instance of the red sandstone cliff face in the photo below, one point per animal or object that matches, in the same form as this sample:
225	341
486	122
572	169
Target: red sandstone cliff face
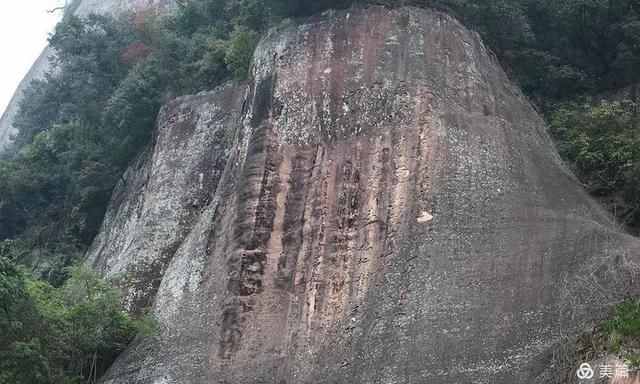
385	208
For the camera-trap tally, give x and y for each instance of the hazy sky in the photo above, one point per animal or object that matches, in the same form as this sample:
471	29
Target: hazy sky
24	28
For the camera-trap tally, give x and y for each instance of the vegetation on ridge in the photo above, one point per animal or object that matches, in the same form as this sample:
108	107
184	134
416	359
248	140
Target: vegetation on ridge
69	334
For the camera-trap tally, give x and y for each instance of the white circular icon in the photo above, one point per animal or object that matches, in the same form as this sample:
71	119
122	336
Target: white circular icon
585	371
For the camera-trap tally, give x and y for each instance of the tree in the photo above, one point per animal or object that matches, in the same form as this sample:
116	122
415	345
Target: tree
69	334
242	43
603	141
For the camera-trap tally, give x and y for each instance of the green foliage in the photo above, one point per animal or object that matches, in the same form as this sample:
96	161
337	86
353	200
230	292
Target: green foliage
88	52
603	141
625	320
81	125
12	292
212	65
60	184
68	155
242	43
69	334
131	111
618	334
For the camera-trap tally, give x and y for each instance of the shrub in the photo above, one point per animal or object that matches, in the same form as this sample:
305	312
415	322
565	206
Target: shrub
69	334
603	141
239	52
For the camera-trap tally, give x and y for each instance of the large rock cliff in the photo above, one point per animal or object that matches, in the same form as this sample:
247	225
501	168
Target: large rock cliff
41	66
378	205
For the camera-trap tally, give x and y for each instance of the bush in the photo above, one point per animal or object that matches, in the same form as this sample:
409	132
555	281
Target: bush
70	334
242	43
603	141
617	334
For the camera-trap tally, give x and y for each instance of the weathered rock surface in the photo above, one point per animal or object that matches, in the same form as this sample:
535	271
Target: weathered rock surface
164	192
42	65
389	210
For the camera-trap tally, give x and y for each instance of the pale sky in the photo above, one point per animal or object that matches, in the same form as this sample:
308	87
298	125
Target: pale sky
24	28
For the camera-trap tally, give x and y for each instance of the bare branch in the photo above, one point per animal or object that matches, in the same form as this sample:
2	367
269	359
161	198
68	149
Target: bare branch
56	9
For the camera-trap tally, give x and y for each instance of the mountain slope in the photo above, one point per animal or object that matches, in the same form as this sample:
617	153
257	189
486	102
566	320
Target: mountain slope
41	66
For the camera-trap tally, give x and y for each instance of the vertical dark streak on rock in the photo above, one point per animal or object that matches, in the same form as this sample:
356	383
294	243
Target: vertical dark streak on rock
294	220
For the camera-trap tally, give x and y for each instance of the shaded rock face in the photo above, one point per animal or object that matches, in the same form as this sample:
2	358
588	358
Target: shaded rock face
41	66
389	210
164	192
